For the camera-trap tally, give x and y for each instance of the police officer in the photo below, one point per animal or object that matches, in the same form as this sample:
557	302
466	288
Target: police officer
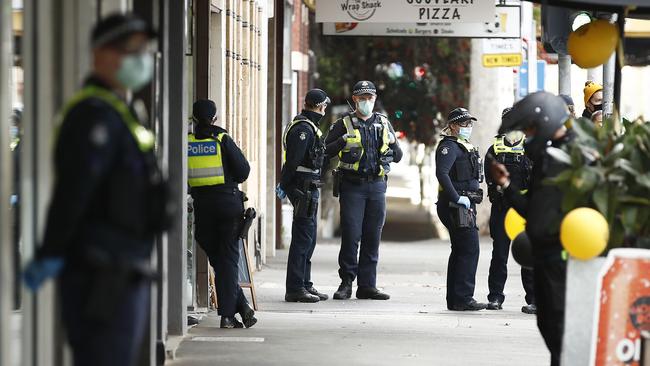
216	166
300	179
508	150
458	169
108	203
542	117
366	145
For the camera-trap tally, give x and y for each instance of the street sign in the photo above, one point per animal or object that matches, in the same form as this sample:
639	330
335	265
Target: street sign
502	59
404	11
506	24
501	52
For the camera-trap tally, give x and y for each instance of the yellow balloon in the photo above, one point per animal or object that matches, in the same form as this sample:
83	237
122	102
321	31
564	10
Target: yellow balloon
514	223
584	233
592	44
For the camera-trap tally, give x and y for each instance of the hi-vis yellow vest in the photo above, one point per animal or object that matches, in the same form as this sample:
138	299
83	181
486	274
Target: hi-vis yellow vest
350	156
205	166
143	137
501	148
317	131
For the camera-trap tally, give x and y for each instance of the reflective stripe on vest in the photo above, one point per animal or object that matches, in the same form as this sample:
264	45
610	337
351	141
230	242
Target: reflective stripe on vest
385	142
143	137
205	165
501	148
352	142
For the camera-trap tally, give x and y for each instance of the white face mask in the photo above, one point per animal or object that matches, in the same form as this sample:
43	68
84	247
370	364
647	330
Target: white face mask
135	71
465	133
365	107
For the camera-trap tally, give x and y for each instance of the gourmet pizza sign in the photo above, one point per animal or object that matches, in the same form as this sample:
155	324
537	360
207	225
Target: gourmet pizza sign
404	11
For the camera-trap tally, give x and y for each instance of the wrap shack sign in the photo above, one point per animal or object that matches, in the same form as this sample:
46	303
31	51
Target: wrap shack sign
404	11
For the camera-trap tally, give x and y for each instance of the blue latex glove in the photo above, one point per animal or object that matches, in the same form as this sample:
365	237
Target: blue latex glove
280	192
464	201
39	270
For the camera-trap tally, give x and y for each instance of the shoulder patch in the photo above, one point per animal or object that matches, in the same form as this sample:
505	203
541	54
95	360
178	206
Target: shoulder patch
303	136
444	150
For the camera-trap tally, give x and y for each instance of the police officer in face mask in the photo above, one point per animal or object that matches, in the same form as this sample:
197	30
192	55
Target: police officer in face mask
459	173
216	167
365	144
300	181
109	202
542	117
508	149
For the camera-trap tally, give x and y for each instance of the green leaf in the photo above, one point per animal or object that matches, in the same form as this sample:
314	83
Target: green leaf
644	180
600	198
634	200
628	219
559	179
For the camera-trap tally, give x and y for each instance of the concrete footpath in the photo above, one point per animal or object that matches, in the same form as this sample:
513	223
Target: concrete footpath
412	328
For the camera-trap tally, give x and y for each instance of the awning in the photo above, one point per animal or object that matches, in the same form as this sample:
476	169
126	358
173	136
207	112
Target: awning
642	6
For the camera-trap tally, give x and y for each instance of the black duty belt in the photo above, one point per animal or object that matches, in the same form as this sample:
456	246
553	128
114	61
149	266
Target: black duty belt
363	179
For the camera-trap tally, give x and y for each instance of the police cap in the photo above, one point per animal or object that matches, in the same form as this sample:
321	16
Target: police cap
117	27
459	115
364	87
316	98
204	110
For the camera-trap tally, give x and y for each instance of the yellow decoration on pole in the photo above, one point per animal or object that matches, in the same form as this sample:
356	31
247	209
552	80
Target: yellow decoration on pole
584	233
514	223
592	44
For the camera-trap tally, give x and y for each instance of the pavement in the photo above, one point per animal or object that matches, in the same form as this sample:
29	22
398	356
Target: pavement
412	328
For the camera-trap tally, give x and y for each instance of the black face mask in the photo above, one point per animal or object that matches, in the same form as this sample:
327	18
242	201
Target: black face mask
598	107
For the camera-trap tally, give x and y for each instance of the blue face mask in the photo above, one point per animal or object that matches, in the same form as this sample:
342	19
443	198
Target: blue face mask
465	133
365	107
135	71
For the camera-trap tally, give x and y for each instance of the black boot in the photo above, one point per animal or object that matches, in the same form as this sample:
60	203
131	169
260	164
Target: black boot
315	292
300	296
345	290
371	293
529	309
247	316
230	322
494	305
473	305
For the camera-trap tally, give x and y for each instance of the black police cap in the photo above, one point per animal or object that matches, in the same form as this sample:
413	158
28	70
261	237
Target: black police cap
364	87
116	27
567	99
204	110
459	115
317	97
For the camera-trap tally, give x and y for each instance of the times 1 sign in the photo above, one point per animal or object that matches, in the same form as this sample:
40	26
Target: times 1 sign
404	11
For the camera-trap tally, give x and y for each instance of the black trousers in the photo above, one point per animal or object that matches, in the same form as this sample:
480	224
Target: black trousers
463	260
303	243
363	212
550	288
217	219
108	342
499	263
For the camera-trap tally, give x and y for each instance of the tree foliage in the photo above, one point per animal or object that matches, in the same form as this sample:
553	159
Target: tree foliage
415	103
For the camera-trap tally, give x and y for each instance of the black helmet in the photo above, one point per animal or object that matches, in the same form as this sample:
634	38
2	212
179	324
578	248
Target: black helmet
545	111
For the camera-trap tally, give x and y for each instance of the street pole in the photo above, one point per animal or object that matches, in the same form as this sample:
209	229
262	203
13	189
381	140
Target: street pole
609	70
564	65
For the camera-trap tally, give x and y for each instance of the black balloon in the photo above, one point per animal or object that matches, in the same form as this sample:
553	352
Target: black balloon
522	250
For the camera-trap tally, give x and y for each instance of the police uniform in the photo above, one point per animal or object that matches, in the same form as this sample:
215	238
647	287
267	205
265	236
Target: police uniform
541	206
458	170
512	156
300	179
364	155
216	166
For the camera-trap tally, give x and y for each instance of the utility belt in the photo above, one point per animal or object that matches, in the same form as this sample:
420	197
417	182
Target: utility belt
340	176
461	217
474	196
304	169
305	198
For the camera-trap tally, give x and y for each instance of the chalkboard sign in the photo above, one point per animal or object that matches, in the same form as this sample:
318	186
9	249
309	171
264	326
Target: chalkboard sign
245	276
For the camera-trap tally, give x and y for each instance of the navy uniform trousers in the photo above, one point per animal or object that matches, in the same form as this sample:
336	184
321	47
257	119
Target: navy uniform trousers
363	212
217	220
463	260
303	243
114	340
499	263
